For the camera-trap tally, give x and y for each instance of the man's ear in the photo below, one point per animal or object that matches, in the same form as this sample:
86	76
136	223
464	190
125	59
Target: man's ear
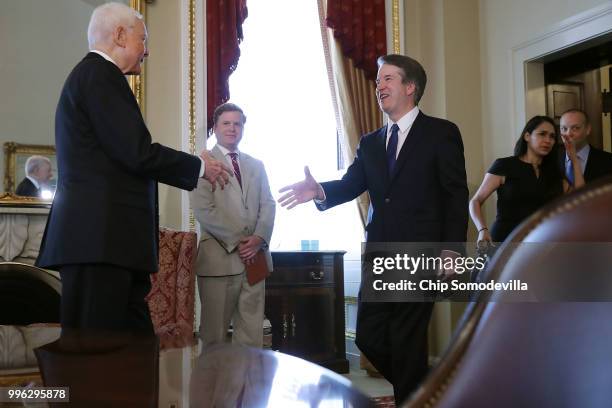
588	129
120	36
410	88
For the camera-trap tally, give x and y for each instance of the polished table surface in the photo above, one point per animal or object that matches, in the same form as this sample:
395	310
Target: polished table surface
121	370
228	375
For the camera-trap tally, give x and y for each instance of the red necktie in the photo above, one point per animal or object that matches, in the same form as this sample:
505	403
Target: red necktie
234	157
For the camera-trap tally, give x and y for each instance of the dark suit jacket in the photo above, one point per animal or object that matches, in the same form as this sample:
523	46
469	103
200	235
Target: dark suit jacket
425	200
599	164
105	205
27	189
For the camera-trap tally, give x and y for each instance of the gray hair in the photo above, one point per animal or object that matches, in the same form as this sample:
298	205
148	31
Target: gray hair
105	19
34	162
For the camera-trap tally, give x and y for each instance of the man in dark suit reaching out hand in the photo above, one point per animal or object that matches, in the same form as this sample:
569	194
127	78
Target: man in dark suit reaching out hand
414	172
102	230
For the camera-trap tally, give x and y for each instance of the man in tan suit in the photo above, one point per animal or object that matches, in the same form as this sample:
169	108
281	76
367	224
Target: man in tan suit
236	223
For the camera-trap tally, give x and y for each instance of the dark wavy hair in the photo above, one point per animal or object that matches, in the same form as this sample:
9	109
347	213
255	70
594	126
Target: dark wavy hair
411	71
550	171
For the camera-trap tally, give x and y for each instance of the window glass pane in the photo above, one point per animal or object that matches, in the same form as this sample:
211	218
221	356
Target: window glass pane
281	83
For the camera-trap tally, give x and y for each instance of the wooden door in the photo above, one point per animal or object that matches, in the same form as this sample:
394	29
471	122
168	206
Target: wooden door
561	97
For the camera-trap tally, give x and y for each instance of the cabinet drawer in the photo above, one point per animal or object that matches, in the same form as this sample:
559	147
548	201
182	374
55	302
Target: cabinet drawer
313	268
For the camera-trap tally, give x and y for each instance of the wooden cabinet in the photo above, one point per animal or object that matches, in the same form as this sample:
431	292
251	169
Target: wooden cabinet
305	305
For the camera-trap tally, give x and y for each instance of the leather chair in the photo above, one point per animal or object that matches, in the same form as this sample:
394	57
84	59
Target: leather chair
528	352
28	295
29	317
172	296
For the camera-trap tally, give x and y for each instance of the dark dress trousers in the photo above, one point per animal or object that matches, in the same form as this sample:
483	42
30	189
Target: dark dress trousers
27	189
424	200
102	231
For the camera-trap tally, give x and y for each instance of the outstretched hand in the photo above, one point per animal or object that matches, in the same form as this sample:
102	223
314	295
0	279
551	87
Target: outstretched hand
301	192
215	171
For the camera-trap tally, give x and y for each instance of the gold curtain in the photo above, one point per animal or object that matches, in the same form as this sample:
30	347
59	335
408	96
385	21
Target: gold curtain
354	99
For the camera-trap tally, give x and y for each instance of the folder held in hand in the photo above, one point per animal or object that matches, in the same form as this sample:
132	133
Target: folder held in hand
258	270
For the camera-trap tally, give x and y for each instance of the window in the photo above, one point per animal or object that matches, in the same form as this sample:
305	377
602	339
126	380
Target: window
281	83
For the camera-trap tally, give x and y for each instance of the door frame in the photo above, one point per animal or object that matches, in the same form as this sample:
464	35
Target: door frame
580	31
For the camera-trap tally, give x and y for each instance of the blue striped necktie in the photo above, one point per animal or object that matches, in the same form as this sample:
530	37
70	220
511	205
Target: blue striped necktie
569	171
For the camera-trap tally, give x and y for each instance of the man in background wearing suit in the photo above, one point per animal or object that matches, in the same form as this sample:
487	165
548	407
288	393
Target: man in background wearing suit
236	223
594	162
102	231
414	172
38	173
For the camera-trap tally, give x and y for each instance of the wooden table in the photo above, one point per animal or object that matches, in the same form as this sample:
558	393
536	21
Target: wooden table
229	375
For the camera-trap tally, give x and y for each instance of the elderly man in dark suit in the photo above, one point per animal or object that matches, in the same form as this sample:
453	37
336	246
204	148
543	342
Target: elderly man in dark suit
414	172
38	173
102	231
594	163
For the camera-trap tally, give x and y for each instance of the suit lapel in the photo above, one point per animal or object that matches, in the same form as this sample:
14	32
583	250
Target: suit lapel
380	153
246	170
413	137
590	163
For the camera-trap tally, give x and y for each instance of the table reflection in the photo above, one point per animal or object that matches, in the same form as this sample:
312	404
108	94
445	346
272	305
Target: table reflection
236	376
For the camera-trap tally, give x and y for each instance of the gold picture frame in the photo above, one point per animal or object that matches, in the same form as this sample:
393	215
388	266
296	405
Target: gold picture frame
137	82
15	155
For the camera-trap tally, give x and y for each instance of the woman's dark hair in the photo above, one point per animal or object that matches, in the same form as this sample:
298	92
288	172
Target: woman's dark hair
520	148
550	171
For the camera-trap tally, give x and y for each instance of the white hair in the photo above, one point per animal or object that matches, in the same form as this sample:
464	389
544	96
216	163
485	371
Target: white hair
34	162
105	19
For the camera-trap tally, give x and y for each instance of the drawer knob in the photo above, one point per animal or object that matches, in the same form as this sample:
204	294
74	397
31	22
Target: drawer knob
318	275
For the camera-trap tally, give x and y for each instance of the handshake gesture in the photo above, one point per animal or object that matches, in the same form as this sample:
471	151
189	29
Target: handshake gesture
301	192
215	171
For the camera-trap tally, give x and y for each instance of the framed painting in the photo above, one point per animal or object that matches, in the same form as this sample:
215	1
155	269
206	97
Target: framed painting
15	157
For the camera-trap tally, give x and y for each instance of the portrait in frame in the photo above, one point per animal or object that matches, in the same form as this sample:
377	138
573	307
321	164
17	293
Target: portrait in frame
15	157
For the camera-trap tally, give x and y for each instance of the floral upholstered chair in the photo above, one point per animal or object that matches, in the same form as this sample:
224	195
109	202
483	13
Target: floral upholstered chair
172	296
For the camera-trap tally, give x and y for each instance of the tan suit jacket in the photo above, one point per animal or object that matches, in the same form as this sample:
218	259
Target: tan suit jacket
229	214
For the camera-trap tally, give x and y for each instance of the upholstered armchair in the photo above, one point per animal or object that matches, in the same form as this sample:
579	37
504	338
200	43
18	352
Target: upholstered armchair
29	318
171	300
554	349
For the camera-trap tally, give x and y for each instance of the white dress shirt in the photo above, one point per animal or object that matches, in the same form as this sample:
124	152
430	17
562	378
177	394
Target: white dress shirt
226	154
404	124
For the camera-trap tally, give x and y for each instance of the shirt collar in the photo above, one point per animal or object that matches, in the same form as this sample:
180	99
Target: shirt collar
226	151
582	154
34	181
105	56
406	121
